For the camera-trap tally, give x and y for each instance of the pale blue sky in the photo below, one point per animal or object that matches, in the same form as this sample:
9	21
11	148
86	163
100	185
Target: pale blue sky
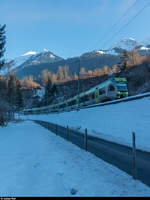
69	27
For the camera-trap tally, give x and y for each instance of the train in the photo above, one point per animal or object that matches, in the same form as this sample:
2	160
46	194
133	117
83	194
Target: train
111	89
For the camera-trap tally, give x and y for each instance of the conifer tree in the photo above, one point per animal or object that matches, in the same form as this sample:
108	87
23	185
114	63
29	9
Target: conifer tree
19	98
12	86
48	94
53	90
123	58
2	44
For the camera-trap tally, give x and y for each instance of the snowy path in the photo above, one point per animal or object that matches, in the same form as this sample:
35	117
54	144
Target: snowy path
34	162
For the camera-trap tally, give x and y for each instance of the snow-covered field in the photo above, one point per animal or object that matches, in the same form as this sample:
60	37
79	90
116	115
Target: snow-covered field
35	162
112	122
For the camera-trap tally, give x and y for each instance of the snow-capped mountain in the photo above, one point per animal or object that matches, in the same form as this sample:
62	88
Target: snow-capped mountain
143	50
127	44
93	53
44	57
30	58
130	44
33	63
12	64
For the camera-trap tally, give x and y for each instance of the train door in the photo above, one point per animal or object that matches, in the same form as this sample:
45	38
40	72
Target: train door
96	95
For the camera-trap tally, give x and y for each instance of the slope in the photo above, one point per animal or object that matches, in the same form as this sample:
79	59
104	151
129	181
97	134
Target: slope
112	122
35	162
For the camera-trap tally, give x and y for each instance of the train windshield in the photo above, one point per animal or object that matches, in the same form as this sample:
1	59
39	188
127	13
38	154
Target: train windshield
122	87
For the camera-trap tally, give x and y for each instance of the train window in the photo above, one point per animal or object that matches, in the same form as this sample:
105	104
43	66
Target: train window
91	96
101	91
122	87
71	103
111	88
62	105
84	98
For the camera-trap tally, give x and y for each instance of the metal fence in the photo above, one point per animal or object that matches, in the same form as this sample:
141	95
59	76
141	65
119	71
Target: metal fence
129	159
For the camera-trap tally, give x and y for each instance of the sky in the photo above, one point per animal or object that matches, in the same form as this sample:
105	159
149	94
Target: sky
70	28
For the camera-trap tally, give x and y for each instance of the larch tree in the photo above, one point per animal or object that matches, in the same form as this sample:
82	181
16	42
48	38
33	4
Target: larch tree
60	74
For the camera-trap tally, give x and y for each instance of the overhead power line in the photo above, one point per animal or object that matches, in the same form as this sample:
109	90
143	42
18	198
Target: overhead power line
138	13
116	23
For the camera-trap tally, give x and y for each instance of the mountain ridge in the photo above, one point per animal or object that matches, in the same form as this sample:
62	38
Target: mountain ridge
32	63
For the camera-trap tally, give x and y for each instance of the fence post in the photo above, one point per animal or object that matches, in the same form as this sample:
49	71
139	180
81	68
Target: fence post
85	139
56	129
67	133
133	156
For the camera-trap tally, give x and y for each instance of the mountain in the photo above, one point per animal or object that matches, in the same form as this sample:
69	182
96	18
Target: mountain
130	44
143	50
28	59
32	63
12	64
88	61
44	57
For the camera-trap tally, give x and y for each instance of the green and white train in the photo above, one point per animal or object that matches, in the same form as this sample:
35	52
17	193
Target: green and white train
110	89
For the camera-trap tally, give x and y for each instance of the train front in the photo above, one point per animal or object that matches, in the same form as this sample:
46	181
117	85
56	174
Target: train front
122	89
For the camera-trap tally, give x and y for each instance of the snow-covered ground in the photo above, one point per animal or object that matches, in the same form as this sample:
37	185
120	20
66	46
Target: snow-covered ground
35	162
112	122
